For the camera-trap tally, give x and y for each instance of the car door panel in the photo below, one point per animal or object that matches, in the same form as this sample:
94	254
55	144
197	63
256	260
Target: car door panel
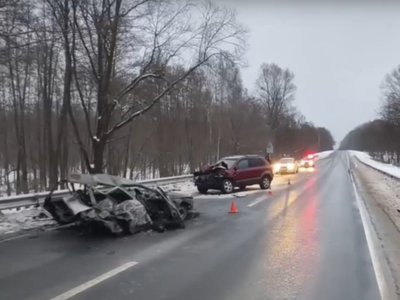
243	172
257	169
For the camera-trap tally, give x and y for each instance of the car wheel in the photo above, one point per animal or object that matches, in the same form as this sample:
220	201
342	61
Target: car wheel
227	186
265	183
202	189
183	210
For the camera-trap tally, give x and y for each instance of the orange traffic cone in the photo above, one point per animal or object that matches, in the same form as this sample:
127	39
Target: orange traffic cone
234	209
289	183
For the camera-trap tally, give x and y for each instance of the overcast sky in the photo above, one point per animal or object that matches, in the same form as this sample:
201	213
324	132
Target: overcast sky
339	53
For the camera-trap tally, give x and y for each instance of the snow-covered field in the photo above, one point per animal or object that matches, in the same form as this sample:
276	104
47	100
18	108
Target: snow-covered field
386	168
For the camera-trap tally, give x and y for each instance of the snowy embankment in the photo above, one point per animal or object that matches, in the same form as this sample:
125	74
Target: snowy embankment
324	154
383	167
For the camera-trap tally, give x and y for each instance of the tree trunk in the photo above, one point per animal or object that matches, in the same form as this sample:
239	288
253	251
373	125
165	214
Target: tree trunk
98	155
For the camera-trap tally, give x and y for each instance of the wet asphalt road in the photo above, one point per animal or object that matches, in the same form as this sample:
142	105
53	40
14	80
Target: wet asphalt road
305	241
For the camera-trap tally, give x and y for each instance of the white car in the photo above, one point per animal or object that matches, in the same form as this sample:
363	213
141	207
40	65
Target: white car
286	165
308	161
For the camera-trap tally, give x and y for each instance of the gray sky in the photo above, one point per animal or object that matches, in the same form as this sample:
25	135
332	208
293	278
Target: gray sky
339	53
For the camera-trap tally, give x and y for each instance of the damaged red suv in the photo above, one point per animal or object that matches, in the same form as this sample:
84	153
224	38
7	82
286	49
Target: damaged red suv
235	171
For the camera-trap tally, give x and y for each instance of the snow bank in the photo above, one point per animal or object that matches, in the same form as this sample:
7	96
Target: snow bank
383	167
324	154
13	220
184	187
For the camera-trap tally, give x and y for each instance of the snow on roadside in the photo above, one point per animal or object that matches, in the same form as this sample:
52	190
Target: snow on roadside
189	188
386	168
385	191
12	221
184	187
324	154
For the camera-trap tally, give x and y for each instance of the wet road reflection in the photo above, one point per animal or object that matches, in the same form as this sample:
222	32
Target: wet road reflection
291	261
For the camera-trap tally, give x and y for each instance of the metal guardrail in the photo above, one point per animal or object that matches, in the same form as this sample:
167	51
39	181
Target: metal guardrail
27	200
376	169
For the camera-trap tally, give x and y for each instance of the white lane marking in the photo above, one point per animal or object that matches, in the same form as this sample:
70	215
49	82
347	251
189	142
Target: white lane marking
87	285
378	269
259	200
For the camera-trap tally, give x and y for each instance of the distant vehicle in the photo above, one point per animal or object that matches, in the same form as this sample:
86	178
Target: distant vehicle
235	171
308	161
286	165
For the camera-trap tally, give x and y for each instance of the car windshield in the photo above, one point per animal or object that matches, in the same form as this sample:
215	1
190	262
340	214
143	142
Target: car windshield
286	160
229	162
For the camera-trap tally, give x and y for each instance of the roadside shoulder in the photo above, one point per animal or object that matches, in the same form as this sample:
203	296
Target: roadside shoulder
380	198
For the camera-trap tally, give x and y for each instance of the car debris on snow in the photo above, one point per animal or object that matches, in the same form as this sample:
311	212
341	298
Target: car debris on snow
13	221
242	195
118	205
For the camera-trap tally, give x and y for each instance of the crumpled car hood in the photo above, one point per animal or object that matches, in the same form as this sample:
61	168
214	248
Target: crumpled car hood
128	216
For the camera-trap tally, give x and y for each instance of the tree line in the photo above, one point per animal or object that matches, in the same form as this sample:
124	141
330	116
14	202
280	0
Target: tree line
380	137
137	88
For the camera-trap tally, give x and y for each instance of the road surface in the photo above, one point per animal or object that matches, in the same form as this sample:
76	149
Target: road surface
305	241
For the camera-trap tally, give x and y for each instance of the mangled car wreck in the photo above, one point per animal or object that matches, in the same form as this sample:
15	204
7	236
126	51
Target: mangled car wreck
118	205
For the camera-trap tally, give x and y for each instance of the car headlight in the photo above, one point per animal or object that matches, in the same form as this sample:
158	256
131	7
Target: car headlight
290	166
277	167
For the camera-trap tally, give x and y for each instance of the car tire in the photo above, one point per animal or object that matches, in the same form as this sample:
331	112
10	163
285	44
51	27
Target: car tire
202	189
265	183
227	186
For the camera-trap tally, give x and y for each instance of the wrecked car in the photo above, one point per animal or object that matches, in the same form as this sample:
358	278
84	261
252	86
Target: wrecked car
119	205
234	171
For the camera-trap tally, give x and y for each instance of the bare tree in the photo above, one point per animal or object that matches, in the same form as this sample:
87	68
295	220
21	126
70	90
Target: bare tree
390	108
275	90
165	34
17	39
